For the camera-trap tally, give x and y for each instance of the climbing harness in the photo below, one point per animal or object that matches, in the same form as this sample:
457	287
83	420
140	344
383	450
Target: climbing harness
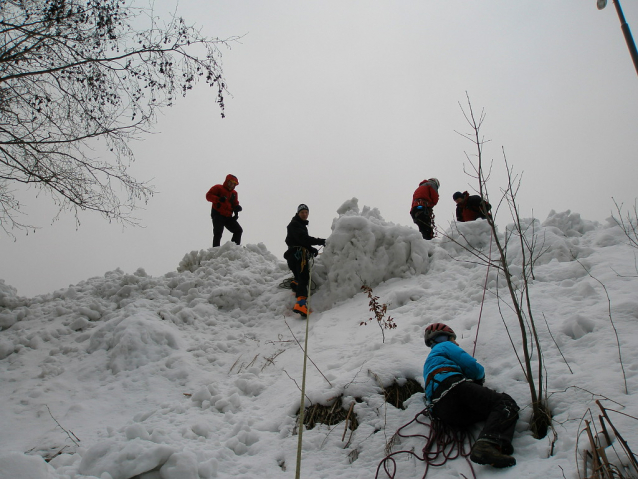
445	393
443	443
286	284
301	255
444	369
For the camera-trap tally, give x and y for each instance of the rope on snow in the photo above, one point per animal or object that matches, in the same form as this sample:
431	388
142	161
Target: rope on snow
443	443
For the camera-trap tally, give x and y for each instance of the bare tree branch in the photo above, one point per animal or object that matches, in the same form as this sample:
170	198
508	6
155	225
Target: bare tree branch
78	82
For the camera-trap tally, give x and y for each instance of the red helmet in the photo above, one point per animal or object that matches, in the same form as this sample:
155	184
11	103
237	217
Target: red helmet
433	330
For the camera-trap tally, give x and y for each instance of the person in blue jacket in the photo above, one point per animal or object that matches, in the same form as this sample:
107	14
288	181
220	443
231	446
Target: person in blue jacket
454	390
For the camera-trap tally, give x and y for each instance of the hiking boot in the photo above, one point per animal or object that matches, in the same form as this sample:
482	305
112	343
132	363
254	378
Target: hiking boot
487	453
300	307
507	449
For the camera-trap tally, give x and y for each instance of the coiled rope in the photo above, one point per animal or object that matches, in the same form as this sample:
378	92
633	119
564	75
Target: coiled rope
443	443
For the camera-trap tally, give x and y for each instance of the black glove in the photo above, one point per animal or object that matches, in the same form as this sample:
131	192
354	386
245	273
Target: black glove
322	242
235	216
218	205
480	382
314	251
222	199
237	209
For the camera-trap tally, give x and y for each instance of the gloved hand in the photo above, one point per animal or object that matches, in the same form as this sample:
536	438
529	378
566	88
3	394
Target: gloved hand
237	209
314	251
235	216
222	199
480	382
322	242
218	205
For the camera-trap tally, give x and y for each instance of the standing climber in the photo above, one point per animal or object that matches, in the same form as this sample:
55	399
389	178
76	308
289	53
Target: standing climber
225	210
454	390
300	252
425	197
470	207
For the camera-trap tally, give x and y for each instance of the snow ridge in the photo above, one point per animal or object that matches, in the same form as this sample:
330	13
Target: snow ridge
195	374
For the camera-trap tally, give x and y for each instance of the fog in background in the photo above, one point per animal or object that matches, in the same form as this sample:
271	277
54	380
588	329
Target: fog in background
333	100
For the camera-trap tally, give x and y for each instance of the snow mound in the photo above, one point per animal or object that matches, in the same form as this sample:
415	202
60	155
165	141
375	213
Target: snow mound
557	238
124	460
14	465
235	277
135	341
570	224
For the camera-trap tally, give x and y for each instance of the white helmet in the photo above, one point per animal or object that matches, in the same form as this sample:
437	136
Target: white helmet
435	181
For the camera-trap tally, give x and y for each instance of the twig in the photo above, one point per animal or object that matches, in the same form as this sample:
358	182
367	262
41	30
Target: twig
593	394
231	368
557	346
385	402
611	320
594	452
253	361
355	377
379	311
296	385
271	359
345	429
632	458
60	426
313	363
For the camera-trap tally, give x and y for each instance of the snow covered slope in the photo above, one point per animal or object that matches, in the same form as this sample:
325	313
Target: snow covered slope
196	374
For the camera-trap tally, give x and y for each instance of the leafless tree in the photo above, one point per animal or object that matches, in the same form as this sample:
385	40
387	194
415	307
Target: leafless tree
523	239
628	222
80	79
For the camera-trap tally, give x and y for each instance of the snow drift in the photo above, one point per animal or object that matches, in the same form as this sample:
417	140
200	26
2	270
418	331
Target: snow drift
195	374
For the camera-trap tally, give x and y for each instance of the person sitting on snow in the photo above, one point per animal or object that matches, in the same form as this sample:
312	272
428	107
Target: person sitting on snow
470	208
300	248
424	198
454	390
225	203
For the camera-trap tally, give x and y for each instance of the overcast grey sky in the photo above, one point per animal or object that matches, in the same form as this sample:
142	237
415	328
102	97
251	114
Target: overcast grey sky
339	99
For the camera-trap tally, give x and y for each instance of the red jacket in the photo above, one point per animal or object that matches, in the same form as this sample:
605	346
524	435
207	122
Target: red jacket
223	197
426	194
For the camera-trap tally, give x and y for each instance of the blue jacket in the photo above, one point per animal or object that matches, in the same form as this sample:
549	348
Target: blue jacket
449	355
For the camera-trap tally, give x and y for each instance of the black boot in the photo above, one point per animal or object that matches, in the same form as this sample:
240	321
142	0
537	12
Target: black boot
488	453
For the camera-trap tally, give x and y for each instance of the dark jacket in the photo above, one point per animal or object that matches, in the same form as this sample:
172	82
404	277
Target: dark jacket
224	199
297	235
469	209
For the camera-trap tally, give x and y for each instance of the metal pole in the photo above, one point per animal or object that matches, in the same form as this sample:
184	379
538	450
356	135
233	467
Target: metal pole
627	33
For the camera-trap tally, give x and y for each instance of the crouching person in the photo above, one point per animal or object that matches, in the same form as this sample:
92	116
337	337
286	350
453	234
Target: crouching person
454	388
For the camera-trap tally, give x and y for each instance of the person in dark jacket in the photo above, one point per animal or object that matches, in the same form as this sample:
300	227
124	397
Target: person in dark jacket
225	210
300	251
424	199
470	208
454	390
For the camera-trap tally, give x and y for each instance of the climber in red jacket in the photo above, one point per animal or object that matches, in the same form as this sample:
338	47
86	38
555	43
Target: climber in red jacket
225	210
